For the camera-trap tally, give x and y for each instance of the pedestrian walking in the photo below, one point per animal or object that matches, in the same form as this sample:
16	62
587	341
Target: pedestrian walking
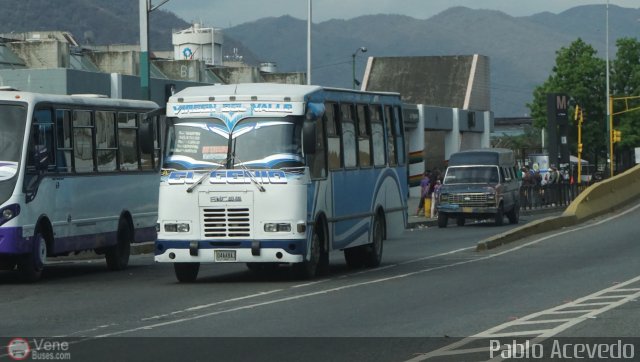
425	183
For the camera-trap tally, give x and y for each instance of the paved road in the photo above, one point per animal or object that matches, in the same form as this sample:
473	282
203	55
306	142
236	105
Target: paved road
433	288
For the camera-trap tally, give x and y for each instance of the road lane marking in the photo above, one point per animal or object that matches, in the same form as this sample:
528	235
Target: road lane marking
353	285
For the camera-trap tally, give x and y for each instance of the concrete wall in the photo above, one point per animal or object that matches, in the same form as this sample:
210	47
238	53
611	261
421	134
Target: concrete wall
42	54
123	62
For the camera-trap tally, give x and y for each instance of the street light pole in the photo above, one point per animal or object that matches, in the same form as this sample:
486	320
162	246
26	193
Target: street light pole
353	64
145	8
609	105
309	43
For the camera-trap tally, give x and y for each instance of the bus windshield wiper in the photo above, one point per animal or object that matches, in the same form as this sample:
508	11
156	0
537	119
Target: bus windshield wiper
248	172
202	178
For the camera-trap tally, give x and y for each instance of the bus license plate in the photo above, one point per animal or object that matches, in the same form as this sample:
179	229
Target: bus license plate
225	255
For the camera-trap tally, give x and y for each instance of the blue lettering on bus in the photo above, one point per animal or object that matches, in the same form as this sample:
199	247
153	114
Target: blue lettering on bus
230	177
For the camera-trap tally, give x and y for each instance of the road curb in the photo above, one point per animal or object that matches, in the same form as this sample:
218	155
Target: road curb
598	199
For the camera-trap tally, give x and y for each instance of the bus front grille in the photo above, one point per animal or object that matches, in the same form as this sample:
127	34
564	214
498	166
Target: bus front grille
226	223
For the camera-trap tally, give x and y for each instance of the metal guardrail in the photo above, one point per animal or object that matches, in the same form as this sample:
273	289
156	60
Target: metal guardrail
535	197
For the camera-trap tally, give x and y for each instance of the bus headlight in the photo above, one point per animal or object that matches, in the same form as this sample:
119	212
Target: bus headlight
9	212
181	227
277	227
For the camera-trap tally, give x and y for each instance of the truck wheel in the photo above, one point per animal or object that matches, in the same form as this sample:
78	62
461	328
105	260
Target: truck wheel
499	216
30	266
514	214
186	272
443	219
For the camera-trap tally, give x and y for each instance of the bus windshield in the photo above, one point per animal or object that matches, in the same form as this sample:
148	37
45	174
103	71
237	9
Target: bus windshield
12	125
256	143
471	175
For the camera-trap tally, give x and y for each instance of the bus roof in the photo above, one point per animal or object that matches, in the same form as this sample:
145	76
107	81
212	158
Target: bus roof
264	91
80	99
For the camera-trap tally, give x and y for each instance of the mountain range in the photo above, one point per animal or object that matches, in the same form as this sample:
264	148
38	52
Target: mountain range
522	50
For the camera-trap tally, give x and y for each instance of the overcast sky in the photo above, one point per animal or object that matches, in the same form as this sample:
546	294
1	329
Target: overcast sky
226	13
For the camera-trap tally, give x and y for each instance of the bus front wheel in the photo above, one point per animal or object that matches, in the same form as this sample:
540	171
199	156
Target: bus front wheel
31	265
309	268
186	272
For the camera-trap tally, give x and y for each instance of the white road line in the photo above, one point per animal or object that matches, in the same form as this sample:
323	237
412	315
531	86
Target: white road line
358	284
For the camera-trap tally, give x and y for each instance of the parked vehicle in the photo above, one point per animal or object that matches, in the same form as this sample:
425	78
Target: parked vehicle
480	184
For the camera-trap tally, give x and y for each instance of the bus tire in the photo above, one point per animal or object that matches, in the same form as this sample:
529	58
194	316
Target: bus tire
117	256
309	268
443	219
186	272
31	265
373	251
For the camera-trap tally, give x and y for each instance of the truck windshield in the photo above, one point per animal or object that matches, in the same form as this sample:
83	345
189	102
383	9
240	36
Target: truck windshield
12	125
254	143
471	175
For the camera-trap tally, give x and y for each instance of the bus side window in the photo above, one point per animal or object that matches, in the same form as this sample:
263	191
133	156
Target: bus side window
317	161
63	141
391	137
348	135
334	150
128	141
83	141
106	141
41	141
399	127
377	135
364	136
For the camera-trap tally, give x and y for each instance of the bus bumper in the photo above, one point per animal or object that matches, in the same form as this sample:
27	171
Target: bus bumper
185	252
12	241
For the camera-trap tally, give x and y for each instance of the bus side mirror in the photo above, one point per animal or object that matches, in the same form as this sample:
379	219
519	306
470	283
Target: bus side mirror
309	137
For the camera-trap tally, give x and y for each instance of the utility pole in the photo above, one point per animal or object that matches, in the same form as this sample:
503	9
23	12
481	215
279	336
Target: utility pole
145	8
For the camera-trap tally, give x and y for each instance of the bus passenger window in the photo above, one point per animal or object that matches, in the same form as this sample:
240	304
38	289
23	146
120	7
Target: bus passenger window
391	137
106	141
317	161
348	135
83	141
377	135
333	137
364	136
64	145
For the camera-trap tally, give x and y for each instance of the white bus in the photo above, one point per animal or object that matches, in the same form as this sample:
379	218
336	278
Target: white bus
269	174
73	177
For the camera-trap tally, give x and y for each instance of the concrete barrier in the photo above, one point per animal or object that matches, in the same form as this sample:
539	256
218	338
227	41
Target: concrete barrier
597	199
606	195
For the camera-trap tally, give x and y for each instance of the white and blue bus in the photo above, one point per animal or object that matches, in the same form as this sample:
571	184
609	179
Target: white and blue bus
269	174
74	176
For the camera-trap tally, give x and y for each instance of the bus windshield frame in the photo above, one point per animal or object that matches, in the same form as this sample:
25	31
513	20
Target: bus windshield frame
13	117
255	142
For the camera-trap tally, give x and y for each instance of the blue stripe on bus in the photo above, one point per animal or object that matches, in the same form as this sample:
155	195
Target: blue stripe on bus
13	242
299	245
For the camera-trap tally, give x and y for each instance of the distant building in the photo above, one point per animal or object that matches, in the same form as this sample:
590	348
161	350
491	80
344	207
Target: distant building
54	62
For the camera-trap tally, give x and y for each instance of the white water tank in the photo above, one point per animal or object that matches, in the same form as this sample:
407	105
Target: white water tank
198	43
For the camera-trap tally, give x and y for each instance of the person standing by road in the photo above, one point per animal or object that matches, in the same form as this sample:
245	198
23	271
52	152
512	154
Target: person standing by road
424	191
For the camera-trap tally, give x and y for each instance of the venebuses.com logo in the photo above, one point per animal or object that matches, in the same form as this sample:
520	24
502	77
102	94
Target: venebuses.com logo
18	349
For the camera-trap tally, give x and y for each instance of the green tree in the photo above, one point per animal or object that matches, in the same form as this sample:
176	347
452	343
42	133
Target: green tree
625	79
579	73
